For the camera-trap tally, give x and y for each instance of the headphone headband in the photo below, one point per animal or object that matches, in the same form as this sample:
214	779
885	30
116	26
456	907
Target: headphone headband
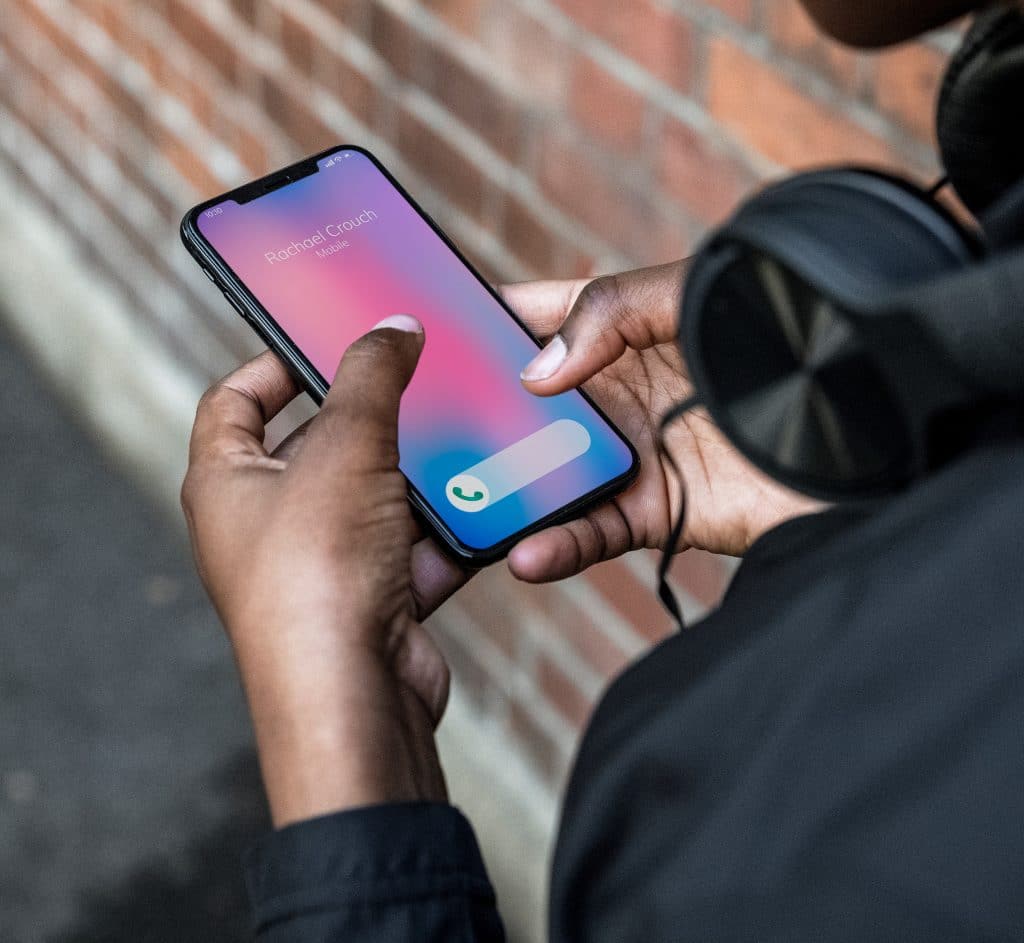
980	133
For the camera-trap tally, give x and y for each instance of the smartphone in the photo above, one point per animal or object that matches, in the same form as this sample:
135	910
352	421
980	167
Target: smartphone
314	255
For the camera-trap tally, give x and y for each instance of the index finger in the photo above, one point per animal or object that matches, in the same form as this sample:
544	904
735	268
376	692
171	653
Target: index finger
233	413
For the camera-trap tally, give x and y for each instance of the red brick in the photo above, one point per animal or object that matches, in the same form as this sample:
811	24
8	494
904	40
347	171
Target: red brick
664	237
846	66
40	23
907	82
193	95
444	166
395	41
742	11
539	61
492	274
352	13
20	64
19	100
151	57
487	603
133	39
795	32
189	165
707	182
656	38
635	601
293	114
472	98
581	185
246	9
580	263
110	19
129	166
131	108
792	29
608	201
528	238
778	120
350	86
214	47
298	41
562	693
250	147
158	6
606	107
542	751
576	628
703	575
588	14
462	15
93	8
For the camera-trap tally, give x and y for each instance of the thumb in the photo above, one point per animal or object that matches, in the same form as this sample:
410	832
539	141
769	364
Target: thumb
612	313
358	420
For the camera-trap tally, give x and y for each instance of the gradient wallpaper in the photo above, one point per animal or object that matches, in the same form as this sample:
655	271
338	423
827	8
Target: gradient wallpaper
330	255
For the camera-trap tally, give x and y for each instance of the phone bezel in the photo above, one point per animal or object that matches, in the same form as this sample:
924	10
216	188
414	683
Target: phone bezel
309	378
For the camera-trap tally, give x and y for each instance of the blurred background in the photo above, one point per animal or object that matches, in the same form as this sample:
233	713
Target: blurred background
549	138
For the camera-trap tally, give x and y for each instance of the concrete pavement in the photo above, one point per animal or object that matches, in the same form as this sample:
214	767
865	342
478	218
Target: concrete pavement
128	784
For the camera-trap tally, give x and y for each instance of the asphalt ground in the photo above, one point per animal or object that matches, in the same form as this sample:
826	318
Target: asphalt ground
128	783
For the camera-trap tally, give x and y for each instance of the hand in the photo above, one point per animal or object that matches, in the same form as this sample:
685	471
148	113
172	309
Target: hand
320	575
617	335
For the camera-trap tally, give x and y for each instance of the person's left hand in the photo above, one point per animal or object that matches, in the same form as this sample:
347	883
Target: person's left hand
320	575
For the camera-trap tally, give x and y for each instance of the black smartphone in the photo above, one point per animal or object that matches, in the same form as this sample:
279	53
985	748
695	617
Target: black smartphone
314	255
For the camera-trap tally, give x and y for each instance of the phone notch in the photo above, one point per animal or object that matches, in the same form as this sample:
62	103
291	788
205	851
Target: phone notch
275	181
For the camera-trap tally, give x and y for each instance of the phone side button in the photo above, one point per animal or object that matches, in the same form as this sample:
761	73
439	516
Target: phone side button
209	274
234	304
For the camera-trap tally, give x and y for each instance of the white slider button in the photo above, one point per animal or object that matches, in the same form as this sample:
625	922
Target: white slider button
518	465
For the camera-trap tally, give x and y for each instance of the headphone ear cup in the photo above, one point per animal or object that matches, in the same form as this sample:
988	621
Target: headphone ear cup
980	133
779	328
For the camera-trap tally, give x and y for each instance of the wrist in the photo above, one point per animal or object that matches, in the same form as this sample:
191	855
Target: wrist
340	732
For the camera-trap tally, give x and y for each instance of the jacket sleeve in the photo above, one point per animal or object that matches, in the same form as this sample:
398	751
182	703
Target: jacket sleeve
402	873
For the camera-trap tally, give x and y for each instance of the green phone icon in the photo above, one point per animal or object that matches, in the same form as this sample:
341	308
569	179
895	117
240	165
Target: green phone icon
468	493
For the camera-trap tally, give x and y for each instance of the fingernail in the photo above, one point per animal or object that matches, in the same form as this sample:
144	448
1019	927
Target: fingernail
547	362
401	322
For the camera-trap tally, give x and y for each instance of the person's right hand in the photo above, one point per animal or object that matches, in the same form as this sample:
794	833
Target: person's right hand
617	335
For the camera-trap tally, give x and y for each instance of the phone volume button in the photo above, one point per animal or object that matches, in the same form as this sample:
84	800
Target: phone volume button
234	304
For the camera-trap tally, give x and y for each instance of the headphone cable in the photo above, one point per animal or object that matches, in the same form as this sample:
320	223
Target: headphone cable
665	592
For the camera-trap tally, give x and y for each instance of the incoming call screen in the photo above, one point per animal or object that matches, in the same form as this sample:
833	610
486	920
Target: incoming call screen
332	254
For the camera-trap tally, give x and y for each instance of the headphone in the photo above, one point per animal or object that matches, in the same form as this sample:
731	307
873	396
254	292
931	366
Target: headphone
849	334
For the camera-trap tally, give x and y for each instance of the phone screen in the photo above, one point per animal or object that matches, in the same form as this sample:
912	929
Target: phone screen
331	254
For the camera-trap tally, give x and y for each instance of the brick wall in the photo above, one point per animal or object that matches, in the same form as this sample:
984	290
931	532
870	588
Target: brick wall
549	137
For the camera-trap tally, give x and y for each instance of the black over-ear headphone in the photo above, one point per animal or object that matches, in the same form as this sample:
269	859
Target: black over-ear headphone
845	331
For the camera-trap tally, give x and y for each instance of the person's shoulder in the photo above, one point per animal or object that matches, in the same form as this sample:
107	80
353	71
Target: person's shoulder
956	534
980	496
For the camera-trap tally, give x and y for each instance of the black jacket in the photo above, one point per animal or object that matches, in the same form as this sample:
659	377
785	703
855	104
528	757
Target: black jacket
837	754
